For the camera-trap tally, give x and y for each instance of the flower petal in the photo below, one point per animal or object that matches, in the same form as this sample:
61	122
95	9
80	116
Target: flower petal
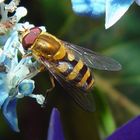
3	97
9	112
26	87
3	39
89	7
3	88
55	131
115	9
130	131
4	60
20	12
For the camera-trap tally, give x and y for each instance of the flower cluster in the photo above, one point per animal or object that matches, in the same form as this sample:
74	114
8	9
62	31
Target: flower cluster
113	9
16	69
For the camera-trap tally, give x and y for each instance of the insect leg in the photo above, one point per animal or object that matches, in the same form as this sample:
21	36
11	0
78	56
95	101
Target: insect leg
27	55
50	89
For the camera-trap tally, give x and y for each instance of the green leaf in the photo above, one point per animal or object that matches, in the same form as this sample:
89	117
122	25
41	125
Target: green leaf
106	120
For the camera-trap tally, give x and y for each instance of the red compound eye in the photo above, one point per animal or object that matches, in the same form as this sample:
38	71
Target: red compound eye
29	39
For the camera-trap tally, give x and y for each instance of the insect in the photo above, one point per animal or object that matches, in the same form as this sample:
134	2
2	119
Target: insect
69	64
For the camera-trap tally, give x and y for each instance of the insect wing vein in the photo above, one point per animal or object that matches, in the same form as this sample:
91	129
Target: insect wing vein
83	99
93	59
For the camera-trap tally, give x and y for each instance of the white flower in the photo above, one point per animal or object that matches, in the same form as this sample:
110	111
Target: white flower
15	72
15	79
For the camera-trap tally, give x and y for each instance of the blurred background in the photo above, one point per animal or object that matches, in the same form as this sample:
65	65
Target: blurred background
117	94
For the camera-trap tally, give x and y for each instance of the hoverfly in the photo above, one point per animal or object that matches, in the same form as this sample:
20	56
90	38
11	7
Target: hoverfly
69	64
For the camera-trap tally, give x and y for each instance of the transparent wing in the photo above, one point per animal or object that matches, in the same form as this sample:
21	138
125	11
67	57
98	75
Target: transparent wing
93	59
83	99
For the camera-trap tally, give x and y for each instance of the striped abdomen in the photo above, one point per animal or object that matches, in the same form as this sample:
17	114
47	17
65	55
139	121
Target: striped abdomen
50	48
75	71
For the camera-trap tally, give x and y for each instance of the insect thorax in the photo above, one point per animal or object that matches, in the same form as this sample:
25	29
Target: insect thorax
46	45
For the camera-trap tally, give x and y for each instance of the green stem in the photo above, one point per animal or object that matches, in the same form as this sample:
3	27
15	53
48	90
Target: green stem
116	95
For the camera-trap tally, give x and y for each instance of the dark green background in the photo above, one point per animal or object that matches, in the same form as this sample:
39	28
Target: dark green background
112	89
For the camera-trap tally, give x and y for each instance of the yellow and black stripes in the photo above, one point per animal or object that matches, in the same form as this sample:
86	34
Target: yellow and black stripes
47	47
75	71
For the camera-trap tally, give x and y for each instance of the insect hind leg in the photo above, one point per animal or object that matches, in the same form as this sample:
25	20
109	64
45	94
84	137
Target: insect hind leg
48	91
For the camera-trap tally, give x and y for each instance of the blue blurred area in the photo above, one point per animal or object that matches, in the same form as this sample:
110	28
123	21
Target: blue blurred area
89	7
